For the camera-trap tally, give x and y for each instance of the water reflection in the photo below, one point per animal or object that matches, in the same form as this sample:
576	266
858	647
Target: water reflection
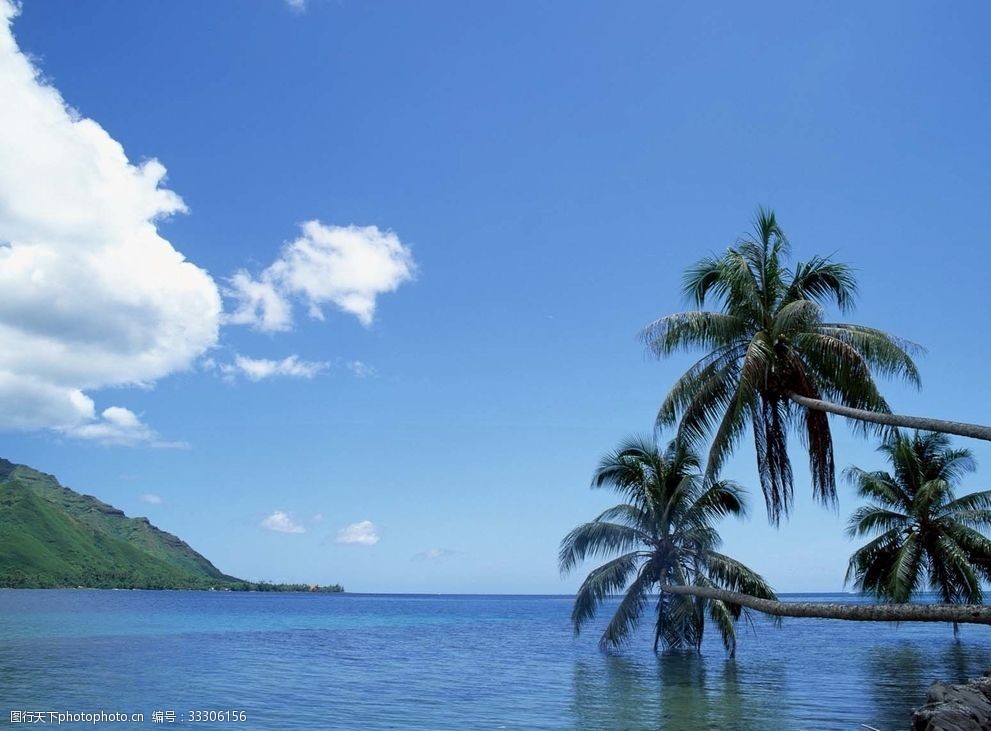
674	691
613	692
683	684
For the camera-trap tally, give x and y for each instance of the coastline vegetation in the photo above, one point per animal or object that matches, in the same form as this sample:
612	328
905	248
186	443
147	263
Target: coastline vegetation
281	587
17	579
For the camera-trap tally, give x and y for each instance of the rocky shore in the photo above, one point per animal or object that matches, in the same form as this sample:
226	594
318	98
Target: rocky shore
965	707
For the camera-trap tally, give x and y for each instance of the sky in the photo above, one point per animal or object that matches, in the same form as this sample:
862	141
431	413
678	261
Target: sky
350	292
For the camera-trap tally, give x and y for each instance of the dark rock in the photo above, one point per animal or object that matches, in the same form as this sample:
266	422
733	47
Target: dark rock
965	707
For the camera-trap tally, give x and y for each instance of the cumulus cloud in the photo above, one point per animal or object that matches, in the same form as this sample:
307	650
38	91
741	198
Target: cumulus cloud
343	266
151	499
298	6
93	295
281	522
434	554
257	369
363	533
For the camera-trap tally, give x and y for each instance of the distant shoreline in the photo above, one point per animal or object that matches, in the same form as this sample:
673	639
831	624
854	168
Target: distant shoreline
336	589
247	587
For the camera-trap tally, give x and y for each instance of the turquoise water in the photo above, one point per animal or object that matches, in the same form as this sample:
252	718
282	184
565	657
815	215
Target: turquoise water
375	662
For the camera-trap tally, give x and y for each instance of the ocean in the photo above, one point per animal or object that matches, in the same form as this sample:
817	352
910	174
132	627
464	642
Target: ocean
218	660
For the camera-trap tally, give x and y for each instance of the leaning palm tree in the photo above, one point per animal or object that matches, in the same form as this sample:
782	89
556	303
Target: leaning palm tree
664	535
774	364
924	536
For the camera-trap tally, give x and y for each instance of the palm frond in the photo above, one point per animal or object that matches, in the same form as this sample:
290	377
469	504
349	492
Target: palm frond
694	329
870	564
974	544
879	487
724	617
773	465
954	576
822	465
904	576
705	408
870	519
728	573
598	539
627	615
608	579
719	499
633	516
756	364
823	281
886	354
796	318
680	623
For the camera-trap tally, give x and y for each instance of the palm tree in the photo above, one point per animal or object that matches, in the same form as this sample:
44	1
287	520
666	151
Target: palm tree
924	536
774	364
664	536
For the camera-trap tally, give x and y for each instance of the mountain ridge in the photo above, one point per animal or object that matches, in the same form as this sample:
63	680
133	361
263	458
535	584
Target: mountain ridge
52	536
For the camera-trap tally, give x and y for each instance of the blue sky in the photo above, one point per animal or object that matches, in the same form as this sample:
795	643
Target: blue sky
538	176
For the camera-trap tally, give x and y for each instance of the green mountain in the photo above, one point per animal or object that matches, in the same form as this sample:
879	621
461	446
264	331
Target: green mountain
51	536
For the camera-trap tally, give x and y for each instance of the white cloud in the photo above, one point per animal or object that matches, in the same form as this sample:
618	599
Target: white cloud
434	554
118	427
344	266
259	304
151	499
298	6
281	522
360	370
93	295
317	518
257	369
364	533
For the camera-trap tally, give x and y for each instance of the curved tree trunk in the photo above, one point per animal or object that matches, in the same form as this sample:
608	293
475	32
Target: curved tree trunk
957	613
959	428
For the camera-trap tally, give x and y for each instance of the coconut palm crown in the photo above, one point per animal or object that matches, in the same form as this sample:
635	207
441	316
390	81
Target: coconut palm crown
924	536
766	344
661	535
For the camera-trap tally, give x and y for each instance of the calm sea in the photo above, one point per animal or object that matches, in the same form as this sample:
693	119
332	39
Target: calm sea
370	662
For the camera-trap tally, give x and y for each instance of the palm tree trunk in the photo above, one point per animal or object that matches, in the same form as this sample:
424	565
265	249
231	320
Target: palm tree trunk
959	428
960	613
